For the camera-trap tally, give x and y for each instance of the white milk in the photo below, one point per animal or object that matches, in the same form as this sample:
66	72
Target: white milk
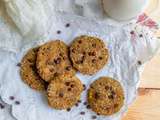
124	9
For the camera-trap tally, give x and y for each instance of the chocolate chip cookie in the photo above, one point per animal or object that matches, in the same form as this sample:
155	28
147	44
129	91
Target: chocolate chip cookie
64	92
53	60
106	96
28	71
88	54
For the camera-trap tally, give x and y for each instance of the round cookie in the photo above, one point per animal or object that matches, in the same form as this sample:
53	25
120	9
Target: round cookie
53	60
28	71
64	92
106	96
88	54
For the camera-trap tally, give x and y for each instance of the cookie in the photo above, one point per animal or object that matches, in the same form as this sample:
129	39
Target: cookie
106	96
28	71
53	60
64	92
88	54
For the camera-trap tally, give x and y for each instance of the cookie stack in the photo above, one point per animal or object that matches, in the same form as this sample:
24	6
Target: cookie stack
54	65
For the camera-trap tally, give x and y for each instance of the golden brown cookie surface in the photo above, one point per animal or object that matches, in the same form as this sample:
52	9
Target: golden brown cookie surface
28	70
106	96
53	60
64	92
88	54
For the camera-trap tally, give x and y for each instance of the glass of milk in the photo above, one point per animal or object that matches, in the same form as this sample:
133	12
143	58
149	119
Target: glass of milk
123	10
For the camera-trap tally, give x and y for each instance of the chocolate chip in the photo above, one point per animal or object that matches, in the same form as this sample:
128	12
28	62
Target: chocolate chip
140	35
94	61
19	64
67	25
76	104
115	105
100	58
111	97
68	68
80	41
85	103
68	109
107	87
84	87
84	53
139	63
79	62
94	117
96	95
17	102
57	61
113	93
61	94
92	53
132	32
51	70
94	45
11	97
2	106
98	114
58	32
69	89
88	106
82	113
56	74
73	50
29	60
60	54
79	101
67	83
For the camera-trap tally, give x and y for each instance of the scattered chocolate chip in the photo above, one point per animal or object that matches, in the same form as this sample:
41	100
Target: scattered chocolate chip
19	64
79	62
94	61
17	102
76	104
111	97
69	89
140	35
82	113
56	74
96	95
61	94
84	87
139	63
94	45
132	32
67	25
68	109
107	87
2	106
79	101
57	61
58	32
84	53
11	97
67	83
68	68
85	103
88	106
94	117
100	58
60	54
